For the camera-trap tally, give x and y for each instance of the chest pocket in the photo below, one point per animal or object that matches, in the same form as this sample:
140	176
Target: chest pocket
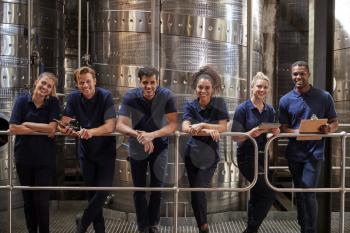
316	106
299	110
39	115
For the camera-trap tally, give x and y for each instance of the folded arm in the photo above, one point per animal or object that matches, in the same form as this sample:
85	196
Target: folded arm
202	129
31	127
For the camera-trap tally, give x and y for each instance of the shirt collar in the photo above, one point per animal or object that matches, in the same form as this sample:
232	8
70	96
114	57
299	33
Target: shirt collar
308	93
251	105
92	100
30	100
199	108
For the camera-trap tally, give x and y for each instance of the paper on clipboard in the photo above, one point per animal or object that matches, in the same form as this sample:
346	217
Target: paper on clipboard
310	126
269	125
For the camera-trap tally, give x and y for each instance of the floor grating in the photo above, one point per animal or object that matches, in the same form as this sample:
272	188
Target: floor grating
62	221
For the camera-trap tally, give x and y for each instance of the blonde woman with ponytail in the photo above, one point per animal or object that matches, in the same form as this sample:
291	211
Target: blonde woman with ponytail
247	118
35	154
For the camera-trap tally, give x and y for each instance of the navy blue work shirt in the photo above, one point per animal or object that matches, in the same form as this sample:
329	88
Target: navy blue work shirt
148	115
294	107
247	117
34	149
203	150
92	113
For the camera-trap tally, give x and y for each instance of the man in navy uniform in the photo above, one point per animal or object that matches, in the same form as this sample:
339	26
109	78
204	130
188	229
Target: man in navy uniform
94	109
152	113
305	157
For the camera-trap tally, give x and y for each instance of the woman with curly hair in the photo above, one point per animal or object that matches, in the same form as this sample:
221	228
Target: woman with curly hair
204	119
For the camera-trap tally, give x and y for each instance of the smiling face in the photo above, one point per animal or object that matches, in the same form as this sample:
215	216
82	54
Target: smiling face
149	86
300	77
260	89
86	85
44	87
204	90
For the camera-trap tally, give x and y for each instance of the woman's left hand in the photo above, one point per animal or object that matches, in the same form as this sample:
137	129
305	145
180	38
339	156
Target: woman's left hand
196	128
275	131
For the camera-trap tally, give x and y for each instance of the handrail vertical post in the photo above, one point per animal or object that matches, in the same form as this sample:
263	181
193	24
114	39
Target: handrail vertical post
176	181
155	32
29	18
343	186
79	33
9	175
250	42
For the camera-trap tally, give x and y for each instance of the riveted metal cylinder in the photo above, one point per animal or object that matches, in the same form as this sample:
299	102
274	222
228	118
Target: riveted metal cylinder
121	42
197	33
46	40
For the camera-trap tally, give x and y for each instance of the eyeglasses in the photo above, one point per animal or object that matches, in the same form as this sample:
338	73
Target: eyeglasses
301	74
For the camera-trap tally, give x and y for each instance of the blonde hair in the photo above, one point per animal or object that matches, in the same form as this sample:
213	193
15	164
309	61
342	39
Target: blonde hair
259	76
53	78
83	70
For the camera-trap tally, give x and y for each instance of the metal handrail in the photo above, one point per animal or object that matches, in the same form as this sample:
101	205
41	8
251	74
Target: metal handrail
290	135
342	189
176	189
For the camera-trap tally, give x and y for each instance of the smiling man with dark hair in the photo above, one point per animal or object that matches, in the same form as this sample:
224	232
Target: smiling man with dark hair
152	112
305	157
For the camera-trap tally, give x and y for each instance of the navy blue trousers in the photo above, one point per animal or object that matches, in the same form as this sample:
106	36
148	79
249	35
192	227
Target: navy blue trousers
306	175
199	178
148	213
261	196
36	203
99	174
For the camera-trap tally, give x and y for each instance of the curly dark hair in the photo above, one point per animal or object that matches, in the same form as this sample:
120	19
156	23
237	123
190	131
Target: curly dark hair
209	73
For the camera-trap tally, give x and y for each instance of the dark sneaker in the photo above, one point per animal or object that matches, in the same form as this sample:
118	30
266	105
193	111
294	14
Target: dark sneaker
204	231
249	231
154	229
142	230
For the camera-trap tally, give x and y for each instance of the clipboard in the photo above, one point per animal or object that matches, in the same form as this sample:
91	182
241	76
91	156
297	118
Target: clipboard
268	125
311	126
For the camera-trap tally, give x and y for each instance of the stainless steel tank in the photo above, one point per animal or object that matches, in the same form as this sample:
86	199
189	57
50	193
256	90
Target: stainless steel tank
121	42
70	43
71	18
341	89
46	44
192	34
